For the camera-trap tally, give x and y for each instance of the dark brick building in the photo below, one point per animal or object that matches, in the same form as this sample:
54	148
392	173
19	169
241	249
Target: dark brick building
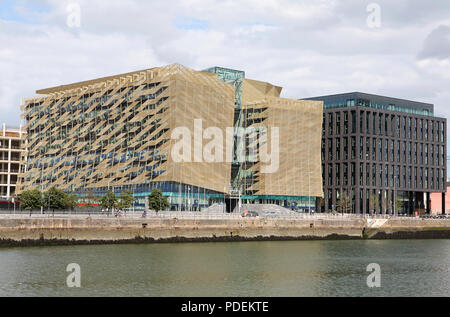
381	152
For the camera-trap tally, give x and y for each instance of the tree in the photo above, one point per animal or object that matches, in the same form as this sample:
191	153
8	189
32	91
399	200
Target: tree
31	199
126	199
373	203
55	198
344	203
156	201
91	199
71	201
384	204
109	201
398	204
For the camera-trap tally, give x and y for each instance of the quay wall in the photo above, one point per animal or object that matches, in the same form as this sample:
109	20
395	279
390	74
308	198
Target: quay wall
86	230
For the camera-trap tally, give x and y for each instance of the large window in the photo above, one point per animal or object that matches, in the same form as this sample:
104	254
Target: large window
338	123
338	149
346	122
353	113
353	147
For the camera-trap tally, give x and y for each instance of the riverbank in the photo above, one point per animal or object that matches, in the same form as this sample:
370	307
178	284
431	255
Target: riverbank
103	230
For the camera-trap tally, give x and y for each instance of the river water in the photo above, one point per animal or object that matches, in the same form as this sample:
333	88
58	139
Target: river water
293	268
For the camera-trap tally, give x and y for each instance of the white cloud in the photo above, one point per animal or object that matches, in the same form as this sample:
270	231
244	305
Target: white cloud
308	47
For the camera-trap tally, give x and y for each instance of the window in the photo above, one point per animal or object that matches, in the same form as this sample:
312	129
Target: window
379	174
345	148
346	122
367	175
338	123
386	152
379	146
420	129
374	149
409	152
353	173
330	175
374	171
409	127
338	149
409	176
403	127
345	174
415	129
415	153
432	178
367	148
431	130
361	122
415	177
420	153
361	174
353	113
338	175
361	148
330	123
392	150
330	149
386	175
353	147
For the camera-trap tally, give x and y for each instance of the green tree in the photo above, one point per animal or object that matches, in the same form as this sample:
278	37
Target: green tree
109	201
71	201
156	201
126	200
398	204
91	199
344	203
31	199
55	198
373	203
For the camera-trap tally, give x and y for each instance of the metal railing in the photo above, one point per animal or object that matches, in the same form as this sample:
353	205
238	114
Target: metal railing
96	213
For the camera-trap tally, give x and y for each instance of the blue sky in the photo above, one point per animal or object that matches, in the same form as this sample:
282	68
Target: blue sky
19	10
189	23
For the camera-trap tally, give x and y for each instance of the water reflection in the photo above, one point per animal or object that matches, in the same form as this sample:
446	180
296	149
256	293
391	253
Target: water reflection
295	268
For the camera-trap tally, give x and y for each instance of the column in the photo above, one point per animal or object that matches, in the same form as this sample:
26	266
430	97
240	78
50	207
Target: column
443	203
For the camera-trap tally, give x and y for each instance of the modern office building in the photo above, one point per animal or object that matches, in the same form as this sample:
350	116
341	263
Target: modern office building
12	161
176	129
376	149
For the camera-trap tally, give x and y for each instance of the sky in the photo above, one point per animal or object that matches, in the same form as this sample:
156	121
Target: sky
395	48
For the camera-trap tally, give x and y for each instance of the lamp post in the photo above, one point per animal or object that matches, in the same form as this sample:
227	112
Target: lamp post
189	198
309	192
42	190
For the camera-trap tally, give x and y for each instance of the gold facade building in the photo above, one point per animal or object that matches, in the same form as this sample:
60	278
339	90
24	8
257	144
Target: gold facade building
124	132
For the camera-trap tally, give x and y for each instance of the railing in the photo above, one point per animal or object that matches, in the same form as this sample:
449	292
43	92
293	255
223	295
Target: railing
181	215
